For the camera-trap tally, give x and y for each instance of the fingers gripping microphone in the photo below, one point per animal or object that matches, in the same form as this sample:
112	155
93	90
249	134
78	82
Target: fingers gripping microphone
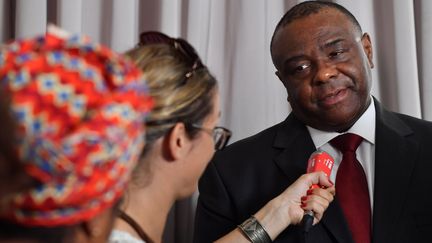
318	161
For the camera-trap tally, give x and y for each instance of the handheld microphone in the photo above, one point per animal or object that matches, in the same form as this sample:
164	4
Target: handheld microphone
318	161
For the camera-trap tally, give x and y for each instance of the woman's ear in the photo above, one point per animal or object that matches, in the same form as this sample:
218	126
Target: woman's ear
177	142
96	229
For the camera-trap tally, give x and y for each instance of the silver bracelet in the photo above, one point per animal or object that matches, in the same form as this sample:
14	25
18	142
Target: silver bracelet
254	231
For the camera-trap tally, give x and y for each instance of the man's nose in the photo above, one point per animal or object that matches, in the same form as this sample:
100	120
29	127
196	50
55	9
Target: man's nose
325	72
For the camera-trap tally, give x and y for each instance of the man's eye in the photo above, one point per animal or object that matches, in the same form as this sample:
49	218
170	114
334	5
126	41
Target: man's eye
300	68
336	53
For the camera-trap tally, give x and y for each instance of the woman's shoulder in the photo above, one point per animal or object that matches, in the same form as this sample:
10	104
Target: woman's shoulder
118	236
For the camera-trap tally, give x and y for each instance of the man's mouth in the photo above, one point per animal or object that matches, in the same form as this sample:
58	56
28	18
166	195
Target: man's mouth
334	97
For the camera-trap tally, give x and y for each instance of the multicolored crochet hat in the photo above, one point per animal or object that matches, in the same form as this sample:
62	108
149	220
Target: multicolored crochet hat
80	110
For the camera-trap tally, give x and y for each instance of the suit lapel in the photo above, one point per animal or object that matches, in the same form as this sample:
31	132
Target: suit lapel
297	146
395	156
334	221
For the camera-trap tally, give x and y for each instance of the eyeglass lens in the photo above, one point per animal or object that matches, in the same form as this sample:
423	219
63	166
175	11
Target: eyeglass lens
221	136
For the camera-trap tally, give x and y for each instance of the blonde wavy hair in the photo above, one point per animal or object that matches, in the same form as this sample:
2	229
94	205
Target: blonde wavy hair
179	94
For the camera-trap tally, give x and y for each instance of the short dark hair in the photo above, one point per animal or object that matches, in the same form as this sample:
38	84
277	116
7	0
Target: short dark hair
307	8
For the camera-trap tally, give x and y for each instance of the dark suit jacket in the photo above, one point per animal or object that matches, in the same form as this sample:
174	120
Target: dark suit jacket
247	174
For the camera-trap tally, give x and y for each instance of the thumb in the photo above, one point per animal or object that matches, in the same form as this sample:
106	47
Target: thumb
319	178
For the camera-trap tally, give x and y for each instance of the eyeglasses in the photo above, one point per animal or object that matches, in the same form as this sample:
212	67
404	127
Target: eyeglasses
221	135
187	51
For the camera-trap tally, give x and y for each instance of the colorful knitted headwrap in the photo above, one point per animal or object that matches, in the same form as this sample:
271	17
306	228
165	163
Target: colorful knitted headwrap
80	109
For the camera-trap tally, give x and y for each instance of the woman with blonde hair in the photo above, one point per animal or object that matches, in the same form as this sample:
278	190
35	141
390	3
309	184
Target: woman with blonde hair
182	135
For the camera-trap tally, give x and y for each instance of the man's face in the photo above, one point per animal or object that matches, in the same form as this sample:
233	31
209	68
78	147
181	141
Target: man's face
324	63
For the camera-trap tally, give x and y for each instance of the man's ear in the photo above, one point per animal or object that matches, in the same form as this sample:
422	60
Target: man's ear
367	47
279	75
177	142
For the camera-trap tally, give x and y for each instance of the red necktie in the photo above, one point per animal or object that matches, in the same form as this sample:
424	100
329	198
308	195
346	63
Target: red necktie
352	188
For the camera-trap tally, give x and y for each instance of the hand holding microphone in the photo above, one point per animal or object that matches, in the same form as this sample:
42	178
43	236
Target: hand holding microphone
318	161
285	209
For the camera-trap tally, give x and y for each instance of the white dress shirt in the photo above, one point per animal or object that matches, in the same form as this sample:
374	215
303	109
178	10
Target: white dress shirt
364	127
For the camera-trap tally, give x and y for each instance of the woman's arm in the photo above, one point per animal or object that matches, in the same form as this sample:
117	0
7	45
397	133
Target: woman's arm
289	207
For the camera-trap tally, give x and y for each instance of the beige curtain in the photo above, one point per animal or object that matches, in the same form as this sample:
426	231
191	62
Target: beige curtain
233	38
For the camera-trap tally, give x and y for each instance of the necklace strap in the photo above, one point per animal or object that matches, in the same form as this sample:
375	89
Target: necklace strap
130	221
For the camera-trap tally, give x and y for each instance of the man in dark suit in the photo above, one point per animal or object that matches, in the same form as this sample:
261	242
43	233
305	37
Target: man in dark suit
324	61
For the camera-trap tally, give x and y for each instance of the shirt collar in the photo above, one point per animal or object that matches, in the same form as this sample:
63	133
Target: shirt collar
364	127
